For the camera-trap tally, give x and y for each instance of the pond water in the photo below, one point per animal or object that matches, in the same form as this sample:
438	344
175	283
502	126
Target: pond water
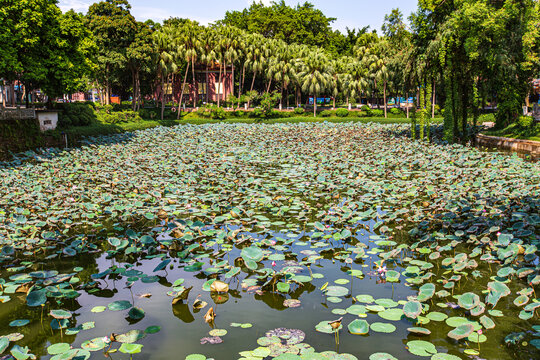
423	250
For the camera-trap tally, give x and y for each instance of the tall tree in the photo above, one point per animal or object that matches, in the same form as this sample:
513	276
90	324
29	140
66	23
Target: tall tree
43	48
140	56
114	30
315	75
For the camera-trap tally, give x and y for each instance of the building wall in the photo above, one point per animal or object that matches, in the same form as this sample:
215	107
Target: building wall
201	86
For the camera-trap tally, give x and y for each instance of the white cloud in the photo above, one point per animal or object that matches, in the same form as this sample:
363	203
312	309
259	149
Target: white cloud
77	5
143	13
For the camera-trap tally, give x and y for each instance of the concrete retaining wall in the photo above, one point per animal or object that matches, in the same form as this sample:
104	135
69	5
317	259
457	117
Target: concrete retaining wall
522	146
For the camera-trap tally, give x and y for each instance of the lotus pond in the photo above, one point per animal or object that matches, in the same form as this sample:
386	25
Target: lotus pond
305	241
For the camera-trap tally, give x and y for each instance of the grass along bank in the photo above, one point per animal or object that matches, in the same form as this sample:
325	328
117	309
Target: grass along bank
524	130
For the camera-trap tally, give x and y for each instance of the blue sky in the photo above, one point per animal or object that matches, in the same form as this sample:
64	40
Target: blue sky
349	13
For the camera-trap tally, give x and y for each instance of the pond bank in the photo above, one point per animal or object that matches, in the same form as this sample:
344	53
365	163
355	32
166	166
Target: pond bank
529	147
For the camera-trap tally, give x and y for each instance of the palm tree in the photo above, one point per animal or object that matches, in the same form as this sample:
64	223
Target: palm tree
163	41
280	67
192	49
229	42
208	53
315	75
255	56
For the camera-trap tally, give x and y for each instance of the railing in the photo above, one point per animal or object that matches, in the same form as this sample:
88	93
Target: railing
17	114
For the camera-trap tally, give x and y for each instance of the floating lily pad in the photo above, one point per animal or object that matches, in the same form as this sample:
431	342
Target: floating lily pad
358	327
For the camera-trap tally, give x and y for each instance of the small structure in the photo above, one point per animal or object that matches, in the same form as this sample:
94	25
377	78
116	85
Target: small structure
47	119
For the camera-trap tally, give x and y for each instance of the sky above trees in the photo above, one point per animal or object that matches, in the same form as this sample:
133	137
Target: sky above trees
349	13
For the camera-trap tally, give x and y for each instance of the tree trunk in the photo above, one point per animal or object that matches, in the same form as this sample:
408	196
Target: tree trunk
433	101
108	89
252	84
219	88
407	103
464	99
138	91
241	84
182	92
4	92
196	95
133	95
281	98
384	97
206	90
269	85
162	94
315	105
232	87
13	97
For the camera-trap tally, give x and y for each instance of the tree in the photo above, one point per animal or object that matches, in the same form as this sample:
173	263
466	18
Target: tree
114	30
163	42
255	57
140	56
302	24
315	75
484	47
44	48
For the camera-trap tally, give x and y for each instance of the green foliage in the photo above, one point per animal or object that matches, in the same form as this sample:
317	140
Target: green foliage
299	111
376	112
212	112
256	113
117	117
75	114
302	24
114	30
486	118
526	121
268	102
397	112
508	110
342	113
365	108
44	48
325	113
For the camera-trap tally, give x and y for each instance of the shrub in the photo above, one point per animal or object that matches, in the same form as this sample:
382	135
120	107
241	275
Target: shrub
342	113
268	102
75	114
149	114
239	113
211	112
326	113
377	113
218	113
120	116
365	108
257	113
362	113
396	111
191	116
486	118
299	111
205	111
525	121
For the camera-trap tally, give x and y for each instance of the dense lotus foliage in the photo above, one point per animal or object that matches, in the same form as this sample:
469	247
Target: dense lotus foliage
304	241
